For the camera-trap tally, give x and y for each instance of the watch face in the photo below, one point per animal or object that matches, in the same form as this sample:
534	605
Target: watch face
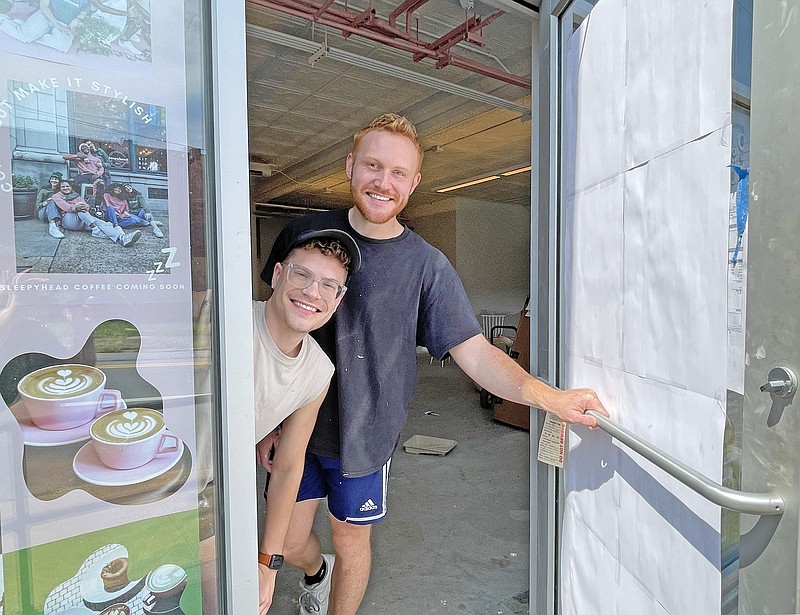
275	562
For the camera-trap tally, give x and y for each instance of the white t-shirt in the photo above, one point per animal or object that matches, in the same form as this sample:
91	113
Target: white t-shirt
284	384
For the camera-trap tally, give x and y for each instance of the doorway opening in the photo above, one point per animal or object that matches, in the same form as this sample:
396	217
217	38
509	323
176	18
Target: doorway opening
457	531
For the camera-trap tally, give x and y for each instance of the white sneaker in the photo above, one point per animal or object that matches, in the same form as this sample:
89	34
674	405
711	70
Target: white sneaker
156	231
314	598
129	47
55	231
128	239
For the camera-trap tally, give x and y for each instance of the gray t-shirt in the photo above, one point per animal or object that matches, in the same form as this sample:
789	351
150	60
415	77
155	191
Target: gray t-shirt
405	295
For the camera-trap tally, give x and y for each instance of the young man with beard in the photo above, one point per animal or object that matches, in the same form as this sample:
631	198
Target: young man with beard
405	294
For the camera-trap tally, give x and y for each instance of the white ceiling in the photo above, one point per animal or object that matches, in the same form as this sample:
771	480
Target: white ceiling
303	117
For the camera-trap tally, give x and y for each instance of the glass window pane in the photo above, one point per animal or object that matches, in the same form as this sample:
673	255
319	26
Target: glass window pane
108	386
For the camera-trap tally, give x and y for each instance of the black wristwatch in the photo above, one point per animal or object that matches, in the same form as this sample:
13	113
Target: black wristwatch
273	562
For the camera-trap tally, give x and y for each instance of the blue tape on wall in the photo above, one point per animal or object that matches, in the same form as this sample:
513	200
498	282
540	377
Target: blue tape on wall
741	209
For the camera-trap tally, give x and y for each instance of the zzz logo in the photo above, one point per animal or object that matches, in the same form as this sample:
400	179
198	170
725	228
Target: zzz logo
162	266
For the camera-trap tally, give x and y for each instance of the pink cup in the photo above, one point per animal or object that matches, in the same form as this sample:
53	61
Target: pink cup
130	438
66	396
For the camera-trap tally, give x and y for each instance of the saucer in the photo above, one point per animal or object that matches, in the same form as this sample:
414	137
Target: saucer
99	599
89	467
92	590
36	436
173	611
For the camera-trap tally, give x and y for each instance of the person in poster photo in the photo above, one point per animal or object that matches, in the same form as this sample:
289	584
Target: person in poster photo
100	153
135	198
119	212
46	208
133	29
292	374
54	24
69	211
46	192
91	168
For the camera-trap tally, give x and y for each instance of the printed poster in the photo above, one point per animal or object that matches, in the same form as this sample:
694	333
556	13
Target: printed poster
99	494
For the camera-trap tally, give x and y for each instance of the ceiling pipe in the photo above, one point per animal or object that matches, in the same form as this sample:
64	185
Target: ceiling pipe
347	17
365	17
337	20
321	50
334	18
463	32
407	7
325	6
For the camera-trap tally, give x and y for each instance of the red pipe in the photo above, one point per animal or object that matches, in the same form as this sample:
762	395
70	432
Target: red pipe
306	11
325	6
407	7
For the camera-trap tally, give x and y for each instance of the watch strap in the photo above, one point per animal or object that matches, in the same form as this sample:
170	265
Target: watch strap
273	562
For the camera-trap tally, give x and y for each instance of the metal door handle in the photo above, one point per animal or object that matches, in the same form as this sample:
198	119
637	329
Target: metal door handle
781	381
731	499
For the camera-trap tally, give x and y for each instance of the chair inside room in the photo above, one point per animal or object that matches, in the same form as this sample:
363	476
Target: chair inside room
495	330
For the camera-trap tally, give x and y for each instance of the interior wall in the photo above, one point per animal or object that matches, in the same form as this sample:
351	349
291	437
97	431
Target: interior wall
493	255
265	232
439	230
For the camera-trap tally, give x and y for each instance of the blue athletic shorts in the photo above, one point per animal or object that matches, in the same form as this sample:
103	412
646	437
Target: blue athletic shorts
361	501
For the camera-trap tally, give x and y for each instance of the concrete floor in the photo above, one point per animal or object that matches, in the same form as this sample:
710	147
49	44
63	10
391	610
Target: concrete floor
455	539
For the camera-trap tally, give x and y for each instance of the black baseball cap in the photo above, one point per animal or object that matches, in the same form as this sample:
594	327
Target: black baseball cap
344	239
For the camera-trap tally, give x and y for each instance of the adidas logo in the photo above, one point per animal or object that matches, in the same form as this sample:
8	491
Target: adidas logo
368	505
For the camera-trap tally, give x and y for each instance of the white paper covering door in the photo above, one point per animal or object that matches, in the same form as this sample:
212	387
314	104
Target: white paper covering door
647	144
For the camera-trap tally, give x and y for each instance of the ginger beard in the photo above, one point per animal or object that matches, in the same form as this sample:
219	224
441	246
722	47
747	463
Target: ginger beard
372	211
383	173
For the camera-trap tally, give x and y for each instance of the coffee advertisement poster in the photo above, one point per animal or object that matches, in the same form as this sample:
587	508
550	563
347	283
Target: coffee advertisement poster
100	324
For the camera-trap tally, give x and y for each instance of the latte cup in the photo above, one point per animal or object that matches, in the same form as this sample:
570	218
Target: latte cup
65	396
165	585
130	438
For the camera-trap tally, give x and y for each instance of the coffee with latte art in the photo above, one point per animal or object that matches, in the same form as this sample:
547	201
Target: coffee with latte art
61	381
165	578
129	425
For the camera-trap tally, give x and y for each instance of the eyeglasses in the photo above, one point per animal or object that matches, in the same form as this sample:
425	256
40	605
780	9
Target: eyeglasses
300	277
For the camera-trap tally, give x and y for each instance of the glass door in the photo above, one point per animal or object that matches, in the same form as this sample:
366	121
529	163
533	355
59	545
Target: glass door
113	319
768	575
629	321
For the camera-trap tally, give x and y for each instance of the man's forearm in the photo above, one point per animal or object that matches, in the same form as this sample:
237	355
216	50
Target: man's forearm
498	373
280	504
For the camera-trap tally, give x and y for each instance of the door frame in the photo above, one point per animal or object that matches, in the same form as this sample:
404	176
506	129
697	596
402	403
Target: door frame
555	23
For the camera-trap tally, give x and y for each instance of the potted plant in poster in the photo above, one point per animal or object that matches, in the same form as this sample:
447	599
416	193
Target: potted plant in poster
24	189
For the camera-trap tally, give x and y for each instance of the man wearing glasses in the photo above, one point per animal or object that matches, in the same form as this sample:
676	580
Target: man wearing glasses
292	372
405	295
